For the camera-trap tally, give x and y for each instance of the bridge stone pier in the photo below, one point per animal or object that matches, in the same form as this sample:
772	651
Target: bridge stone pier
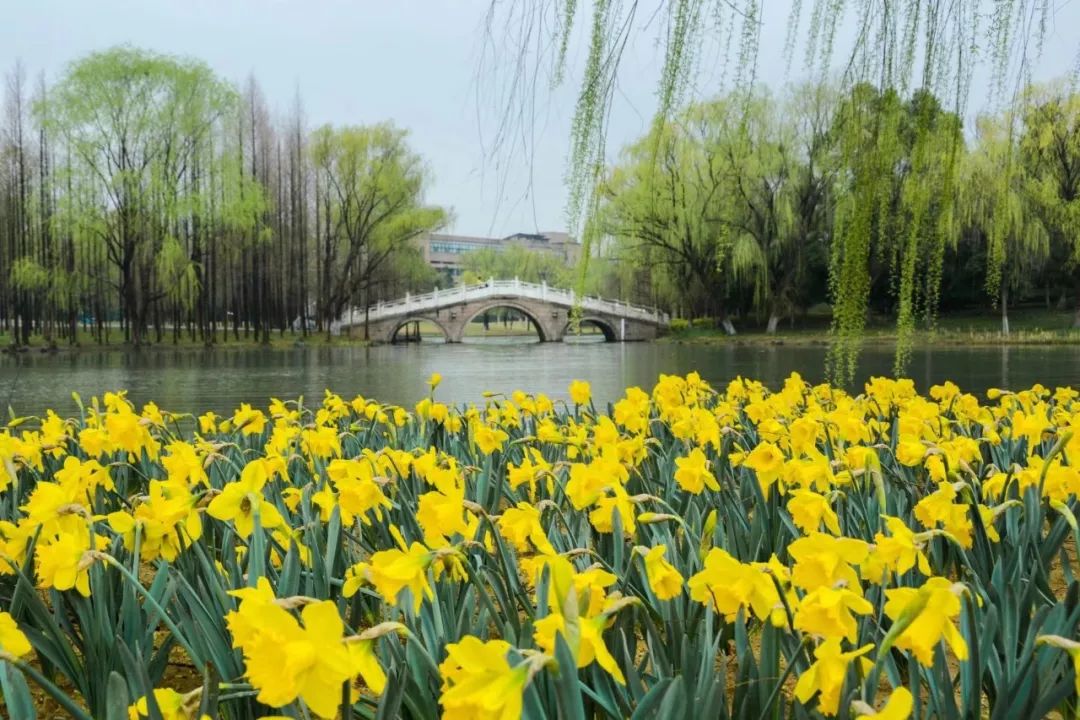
548	308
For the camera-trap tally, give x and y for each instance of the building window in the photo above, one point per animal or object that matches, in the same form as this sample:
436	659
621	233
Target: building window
451	247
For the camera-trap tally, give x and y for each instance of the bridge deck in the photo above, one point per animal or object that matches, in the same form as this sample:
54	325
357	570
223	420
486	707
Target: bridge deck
508	289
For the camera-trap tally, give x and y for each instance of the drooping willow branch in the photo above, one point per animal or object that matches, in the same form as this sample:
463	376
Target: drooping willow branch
893	45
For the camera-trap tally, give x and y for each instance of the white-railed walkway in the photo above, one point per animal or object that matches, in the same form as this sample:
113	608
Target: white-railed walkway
508	289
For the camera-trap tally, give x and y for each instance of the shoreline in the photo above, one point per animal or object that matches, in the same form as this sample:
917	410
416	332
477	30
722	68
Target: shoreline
941	340
719	340
285	343
810	337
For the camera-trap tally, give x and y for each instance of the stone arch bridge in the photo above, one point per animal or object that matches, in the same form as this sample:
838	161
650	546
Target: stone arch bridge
548	309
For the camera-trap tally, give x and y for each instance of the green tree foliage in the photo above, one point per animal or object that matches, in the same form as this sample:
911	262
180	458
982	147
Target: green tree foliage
996	203
724	208
1050	152
662	203
894	214
928	44
740	206
143	190
517	261
372	188
775	173
136	125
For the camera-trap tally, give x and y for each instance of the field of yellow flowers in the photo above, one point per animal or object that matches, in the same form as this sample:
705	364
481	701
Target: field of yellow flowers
690	552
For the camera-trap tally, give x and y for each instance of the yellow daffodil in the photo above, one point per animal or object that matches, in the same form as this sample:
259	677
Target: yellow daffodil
930	610
693	473
830	612
442	515
488	439
825	677
173	705
208	423
167	522
81	479
809	510
580	392
729	586
243	498
321	442
897	552
586	641
478	681
285	661
614	499
767	462
358	492
521	526
62	561
248	420
898	707
392	571
824	560
665	581
12	640
184	465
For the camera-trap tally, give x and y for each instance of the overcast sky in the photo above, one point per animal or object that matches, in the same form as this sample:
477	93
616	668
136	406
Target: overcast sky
416	62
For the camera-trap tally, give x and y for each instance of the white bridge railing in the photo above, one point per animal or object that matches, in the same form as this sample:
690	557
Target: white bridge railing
502	289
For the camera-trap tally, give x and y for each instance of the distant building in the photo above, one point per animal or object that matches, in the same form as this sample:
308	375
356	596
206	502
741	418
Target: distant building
444	252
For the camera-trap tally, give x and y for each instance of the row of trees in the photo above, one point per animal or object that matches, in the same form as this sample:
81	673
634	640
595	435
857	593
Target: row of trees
753	205
141	193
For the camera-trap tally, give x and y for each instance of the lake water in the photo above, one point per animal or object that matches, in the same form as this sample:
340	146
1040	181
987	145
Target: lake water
219	379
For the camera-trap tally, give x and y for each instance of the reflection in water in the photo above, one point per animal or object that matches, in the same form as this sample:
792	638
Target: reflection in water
219	379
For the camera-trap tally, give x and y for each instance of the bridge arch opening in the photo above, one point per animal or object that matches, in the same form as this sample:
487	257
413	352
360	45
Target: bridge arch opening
590	330
504	321
412	330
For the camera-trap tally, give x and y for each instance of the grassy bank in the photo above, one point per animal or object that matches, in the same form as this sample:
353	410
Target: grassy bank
87	341
1027	327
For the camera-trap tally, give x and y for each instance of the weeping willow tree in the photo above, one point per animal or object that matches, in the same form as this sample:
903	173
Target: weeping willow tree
896	45
895	216
727	197
1050	152
778	168
755	151
372	185
995	198
664	201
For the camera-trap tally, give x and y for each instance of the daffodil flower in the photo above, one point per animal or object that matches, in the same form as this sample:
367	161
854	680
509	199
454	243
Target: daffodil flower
240	500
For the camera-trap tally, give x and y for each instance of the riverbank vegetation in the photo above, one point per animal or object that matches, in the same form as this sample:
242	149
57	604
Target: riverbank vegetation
202	219
141	194
145	198
1030	326
731	211
721	185
719	552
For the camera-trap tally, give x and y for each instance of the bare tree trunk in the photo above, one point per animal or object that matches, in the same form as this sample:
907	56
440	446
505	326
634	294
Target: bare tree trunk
774	319
367	315
1005	309
1076	313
